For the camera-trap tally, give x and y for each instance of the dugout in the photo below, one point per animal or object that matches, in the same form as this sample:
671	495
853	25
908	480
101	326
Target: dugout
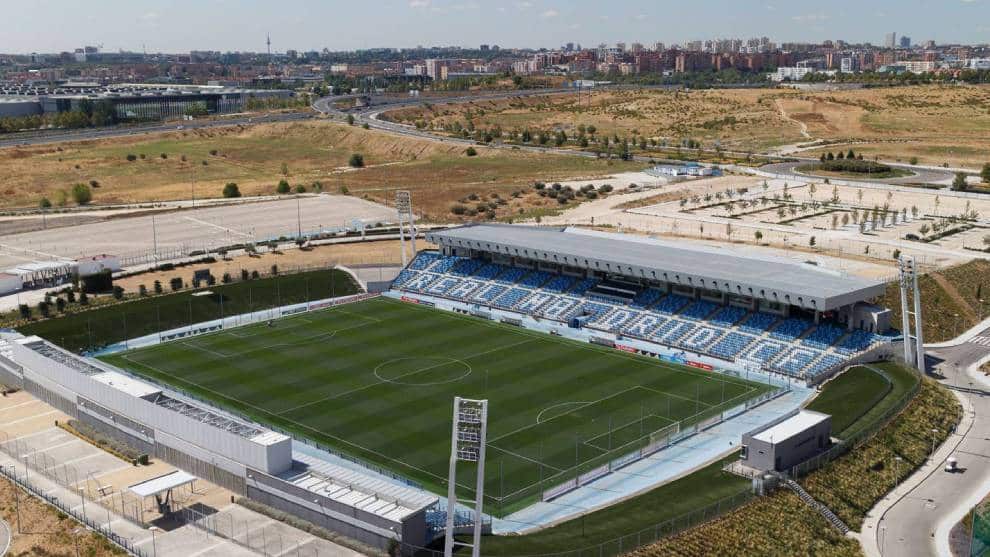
787	442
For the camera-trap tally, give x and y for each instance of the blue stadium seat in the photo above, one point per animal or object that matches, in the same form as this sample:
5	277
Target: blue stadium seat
698	310
557	309
405	276
701	338
825	363
857	341
583	286
644	326
758	323
795	360
422	261
489	271
728	315
559	283
467	267
511	297
444	264
731	345
463	290
535	279
646	298
511	274
488	292
672	304
442	285
790	329
764	350
823	336
671	331
535	301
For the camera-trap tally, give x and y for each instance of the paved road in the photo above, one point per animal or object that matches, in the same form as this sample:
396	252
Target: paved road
909	527
123	131
921	175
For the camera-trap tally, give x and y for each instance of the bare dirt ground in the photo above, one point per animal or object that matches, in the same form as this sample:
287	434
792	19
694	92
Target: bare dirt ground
355	254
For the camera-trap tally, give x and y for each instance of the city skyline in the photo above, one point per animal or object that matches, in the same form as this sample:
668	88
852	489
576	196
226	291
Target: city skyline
303	25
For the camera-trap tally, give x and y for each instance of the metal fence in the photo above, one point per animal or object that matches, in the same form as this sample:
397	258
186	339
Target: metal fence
624	544
854	440
24	481
266	540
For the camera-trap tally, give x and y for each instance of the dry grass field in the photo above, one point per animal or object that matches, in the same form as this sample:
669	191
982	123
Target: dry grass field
254	156
743	119
936	124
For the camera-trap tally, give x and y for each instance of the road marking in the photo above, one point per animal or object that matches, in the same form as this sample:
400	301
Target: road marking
981	340
218	227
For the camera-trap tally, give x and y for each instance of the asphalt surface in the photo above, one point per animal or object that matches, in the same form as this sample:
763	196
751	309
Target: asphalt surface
43	138
909	527
191	229
920	175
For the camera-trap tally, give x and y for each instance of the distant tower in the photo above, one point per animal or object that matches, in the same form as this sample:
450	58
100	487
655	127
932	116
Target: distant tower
268	42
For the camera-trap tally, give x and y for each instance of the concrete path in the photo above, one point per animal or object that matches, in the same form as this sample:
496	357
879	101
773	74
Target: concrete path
4	538
915	519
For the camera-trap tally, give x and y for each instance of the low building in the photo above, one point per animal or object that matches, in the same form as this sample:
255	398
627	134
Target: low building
787	442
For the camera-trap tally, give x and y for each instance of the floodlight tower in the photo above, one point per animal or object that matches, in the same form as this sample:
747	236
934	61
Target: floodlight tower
467	444
909	282
403	206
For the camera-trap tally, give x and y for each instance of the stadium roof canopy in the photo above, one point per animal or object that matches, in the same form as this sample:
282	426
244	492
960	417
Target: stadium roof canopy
771	279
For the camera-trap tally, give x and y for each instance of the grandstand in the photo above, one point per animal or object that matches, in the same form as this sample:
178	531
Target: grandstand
786	318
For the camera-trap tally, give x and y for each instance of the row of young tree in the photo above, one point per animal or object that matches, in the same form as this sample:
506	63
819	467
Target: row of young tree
89	114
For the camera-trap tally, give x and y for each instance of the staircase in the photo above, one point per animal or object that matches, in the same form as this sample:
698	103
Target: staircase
826	512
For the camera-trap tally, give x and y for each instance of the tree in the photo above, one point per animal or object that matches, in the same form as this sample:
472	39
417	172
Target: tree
850	154
283	186
357	160
231	190
758	235
60	305
959	182
118	292
985	173
45	203
25	311
300	188
471	152
83	298
350	119
158	287
81	194
811	241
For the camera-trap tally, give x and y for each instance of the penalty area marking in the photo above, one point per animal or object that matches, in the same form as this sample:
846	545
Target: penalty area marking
442	361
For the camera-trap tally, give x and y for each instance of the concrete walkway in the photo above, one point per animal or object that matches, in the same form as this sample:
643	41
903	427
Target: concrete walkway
4	538
916	517
665	466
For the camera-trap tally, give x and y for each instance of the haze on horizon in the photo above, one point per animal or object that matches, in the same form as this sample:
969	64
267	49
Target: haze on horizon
228	25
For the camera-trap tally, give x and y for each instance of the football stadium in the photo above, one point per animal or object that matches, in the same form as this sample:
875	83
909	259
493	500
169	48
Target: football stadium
605	359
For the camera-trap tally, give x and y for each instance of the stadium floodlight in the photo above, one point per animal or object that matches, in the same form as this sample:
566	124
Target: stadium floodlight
467	444
909	282
403	207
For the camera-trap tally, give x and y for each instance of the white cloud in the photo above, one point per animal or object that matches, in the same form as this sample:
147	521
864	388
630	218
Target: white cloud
524	5
419	4
550	13
150	17
640	17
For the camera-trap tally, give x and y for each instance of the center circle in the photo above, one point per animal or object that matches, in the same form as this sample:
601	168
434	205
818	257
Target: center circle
421	371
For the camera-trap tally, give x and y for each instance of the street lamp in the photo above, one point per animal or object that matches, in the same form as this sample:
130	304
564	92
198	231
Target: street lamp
934	431
897	462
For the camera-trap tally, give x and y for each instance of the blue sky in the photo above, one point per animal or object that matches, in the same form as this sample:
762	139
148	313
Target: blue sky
182	25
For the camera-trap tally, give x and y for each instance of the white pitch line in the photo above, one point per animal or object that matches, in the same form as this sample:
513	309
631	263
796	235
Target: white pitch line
217	226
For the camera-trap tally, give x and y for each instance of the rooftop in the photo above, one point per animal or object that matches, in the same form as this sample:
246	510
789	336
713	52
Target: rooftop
772	279
791	426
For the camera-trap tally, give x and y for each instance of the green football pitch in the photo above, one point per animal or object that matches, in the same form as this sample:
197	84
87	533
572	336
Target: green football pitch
376	380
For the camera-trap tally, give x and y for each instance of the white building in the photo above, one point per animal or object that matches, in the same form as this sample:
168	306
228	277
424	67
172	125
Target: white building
790	73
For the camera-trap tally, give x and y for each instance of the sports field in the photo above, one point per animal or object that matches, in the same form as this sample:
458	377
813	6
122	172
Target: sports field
376	380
